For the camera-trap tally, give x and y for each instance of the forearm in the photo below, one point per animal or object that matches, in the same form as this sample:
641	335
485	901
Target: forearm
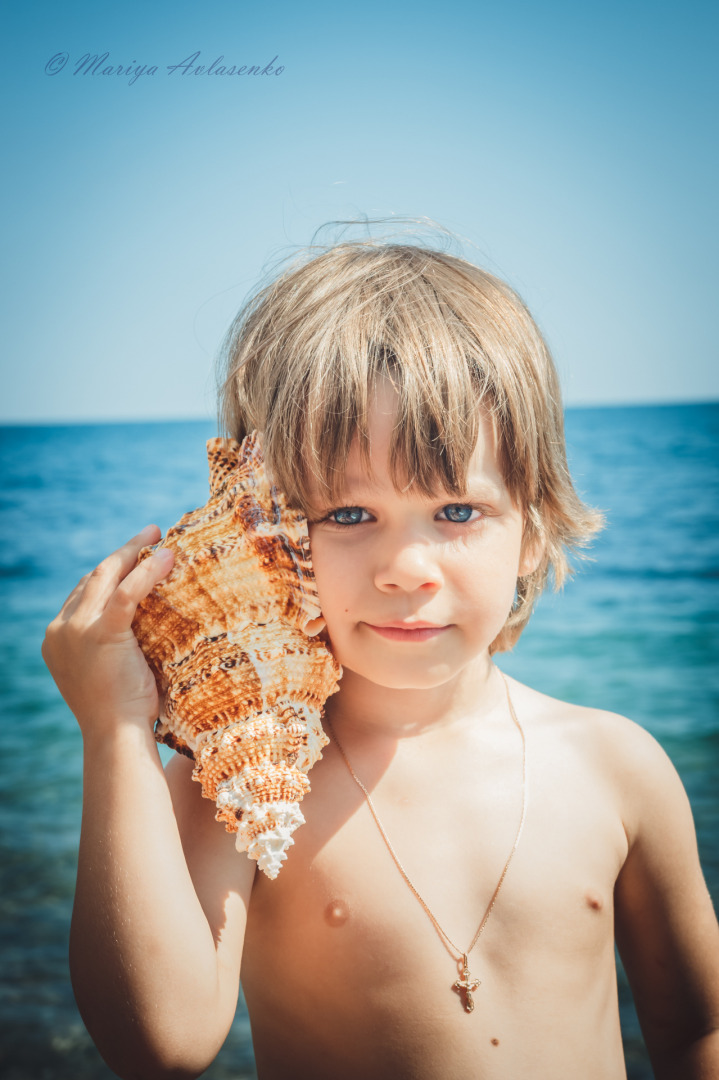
142	956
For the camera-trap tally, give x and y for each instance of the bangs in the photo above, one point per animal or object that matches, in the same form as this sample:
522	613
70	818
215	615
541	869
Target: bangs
310	347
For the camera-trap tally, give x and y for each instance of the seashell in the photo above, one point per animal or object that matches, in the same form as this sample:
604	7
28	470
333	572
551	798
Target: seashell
230	636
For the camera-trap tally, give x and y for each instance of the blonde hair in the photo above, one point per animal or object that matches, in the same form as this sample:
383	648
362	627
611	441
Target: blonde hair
300	359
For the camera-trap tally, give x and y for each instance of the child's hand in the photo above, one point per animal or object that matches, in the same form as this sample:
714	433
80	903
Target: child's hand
90	648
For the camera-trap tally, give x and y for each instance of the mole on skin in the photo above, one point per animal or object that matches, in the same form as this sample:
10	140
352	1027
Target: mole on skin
495	1042
337	913
594	901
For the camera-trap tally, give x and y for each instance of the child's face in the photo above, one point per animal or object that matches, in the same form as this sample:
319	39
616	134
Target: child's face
385	557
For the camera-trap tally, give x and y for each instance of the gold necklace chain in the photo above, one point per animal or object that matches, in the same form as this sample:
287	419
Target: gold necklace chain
466	985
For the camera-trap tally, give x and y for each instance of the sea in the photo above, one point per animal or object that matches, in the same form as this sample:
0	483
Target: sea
635	630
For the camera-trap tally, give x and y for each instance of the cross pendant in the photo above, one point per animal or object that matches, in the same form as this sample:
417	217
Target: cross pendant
466	986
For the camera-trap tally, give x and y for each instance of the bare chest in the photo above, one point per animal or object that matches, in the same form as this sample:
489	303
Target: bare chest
369	939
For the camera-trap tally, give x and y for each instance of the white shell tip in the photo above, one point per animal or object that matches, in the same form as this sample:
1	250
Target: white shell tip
270	851
269	847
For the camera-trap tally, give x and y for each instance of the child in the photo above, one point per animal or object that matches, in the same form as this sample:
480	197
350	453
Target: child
471	847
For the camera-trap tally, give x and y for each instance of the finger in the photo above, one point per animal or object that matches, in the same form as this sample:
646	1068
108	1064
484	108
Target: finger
108	574
138	584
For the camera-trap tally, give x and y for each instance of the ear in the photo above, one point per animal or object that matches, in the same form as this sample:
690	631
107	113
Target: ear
532	554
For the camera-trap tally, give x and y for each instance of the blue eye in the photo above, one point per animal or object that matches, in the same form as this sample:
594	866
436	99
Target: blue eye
463	511
456	514
341	516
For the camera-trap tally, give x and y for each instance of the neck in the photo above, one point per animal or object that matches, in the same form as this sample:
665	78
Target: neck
368	709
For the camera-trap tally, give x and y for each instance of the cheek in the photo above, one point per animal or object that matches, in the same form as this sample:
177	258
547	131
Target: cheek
489	585
329	577
489	592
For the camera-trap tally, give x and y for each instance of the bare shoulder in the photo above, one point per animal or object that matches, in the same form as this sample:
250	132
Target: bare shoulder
629	758
621	735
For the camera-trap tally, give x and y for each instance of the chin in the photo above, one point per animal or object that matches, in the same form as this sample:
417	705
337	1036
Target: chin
398	682
398	676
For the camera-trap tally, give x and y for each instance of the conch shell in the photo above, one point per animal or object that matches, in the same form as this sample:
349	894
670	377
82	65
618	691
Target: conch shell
230	636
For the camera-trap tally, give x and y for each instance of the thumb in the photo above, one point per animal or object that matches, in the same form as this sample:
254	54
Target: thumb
138	584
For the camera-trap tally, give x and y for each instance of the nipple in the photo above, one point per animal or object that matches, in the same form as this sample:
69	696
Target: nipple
337	913
594	901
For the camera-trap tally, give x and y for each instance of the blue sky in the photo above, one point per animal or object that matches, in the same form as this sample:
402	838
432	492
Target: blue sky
573	150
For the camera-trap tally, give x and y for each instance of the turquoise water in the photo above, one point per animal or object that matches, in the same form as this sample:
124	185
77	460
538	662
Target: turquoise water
636	631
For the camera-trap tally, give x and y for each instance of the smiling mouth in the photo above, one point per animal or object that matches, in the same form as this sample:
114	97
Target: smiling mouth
399	633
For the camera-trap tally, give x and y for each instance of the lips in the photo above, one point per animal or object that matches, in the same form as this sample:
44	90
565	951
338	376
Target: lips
408	624
408	632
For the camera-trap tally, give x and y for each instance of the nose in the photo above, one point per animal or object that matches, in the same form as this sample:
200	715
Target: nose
408	566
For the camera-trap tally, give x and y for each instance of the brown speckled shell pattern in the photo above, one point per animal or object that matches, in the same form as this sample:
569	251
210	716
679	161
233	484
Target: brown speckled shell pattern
229	636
